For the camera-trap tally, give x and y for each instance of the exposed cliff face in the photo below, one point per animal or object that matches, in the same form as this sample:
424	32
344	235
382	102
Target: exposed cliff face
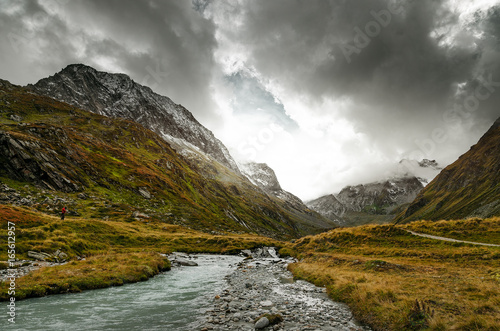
468	187
117	96
261	175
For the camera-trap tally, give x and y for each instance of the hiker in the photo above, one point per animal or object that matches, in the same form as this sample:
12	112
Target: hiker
63	212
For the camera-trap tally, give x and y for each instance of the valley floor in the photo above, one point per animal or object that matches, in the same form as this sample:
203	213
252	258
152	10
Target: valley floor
389	278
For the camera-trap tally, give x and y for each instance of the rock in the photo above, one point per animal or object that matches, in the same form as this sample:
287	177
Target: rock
266	303
39	256
16	118
187	263
262	323
144	192
137	214
271	251
82	196
246	252
60	256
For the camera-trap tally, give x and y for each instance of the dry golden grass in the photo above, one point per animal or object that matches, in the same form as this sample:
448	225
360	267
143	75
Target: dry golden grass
381	271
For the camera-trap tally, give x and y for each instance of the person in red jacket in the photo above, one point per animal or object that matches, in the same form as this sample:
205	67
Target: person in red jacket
63	212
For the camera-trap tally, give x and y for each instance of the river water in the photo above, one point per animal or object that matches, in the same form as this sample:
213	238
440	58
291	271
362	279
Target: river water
174	300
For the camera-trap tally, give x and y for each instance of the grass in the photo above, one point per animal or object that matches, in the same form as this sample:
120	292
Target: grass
473	229
395	281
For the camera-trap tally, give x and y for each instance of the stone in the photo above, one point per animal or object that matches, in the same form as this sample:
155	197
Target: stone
16	118
41	256
82	196
137	214
246	252
262	323
144	193
186	263
266	303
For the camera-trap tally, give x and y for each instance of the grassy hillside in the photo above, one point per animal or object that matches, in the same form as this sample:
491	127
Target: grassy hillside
470	187
54	154
381	272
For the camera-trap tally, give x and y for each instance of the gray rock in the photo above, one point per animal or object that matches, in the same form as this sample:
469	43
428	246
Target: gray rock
246	252
266	303
137	214
186	263
144	192
41	256
82	196
16	118
262	323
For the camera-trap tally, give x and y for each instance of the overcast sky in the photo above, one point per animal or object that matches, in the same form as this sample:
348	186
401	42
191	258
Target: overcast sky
328	93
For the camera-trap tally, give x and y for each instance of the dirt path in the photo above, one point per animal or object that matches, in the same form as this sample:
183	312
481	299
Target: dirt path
449	239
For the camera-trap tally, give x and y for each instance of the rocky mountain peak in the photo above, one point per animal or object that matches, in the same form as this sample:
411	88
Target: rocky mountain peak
261	175
118	96
426	163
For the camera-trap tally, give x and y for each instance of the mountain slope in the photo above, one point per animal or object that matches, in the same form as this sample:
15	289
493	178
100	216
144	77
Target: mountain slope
263	176
118	96
468	187
54	153
328	206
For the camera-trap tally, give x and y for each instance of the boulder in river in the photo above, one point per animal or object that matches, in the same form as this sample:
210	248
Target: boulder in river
187	263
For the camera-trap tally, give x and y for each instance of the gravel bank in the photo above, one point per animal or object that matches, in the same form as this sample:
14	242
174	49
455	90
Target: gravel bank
264	285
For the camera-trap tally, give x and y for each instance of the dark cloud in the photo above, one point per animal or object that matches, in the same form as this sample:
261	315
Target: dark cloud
403	75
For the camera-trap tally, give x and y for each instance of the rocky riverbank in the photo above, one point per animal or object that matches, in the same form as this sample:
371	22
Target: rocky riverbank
262	286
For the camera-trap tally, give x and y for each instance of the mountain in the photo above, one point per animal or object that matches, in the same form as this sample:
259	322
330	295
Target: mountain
118	96
380	197
468	187
263	176
365	203
330	207
53	153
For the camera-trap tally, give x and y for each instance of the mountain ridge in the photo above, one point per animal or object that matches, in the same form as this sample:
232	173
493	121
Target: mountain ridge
117	95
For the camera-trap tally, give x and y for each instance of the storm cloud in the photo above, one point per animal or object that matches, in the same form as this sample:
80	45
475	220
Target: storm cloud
328	93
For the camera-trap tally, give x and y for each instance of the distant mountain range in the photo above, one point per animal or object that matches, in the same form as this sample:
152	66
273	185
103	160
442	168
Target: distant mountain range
377	202
469	187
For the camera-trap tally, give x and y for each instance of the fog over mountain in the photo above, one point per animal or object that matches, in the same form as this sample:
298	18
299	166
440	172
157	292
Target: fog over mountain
327	93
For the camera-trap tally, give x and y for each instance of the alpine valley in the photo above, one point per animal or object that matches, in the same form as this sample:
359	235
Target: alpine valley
135	151
143	180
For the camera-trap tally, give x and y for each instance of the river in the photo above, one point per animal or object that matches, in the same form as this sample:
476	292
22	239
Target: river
174	300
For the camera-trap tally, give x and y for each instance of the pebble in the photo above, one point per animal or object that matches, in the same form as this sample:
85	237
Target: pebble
263	286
